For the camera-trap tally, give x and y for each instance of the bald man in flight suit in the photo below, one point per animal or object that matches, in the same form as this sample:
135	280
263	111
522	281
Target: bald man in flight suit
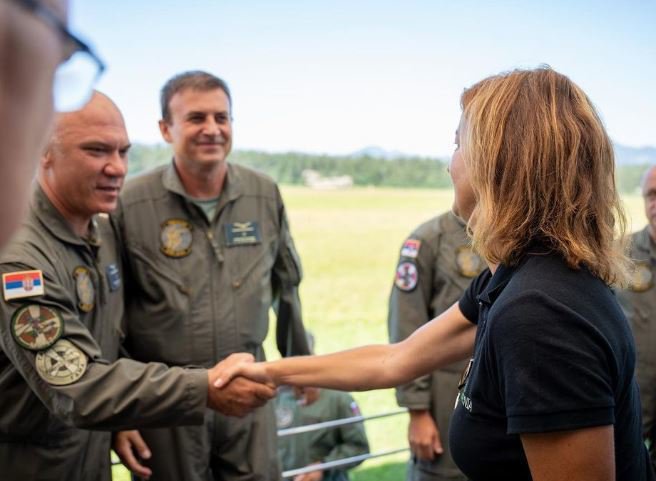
61	320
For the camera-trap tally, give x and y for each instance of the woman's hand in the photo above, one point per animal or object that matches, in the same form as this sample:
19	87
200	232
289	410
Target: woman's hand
240	364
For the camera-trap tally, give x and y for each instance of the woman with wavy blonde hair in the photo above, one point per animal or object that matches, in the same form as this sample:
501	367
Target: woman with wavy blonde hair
549	393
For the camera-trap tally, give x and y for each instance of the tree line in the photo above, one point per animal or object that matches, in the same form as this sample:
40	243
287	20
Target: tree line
365	170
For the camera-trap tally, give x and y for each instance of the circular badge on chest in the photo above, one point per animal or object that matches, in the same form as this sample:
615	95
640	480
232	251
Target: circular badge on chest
642	278
468	262
36	327
62	364
86	292
175	238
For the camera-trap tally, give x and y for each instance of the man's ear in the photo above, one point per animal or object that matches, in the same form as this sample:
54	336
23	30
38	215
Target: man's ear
164	129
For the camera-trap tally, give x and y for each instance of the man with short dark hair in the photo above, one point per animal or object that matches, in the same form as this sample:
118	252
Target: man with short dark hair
639	303
208	253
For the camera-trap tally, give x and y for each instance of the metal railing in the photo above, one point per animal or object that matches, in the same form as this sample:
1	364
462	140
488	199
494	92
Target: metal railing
328	425
338	462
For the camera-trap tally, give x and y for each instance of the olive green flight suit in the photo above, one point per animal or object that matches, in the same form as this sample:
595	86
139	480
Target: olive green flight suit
202	289
329	444
639	303
435	266
40	437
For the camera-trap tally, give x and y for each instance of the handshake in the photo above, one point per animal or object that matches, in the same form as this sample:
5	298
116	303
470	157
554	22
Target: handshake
237	385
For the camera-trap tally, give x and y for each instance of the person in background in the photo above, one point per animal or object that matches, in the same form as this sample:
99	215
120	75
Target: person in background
435	266
208	254
639	303
300	407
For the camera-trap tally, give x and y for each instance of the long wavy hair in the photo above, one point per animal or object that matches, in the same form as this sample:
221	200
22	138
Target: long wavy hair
542	169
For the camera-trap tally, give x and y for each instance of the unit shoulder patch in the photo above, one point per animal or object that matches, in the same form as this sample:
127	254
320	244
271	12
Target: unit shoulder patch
62	364
176	238
86	292
16	285
36	327
407	276
284	416
411	248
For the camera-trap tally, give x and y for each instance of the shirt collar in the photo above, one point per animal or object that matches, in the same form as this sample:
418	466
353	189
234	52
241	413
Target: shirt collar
53	221
231	189
497	283
644	242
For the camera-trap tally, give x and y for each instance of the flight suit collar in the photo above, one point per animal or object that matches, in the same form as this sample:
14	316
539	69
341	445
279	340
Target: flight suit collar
643	242
232	188
56	224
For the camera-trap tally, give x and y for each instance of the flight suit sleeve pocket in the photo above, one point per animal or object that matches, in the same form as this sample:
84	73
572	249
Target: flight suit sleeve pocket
288	265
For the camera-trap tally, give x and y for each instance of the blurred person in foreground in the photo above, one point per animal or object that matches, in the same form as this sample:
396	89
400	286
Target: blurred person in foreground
436	264
549	392
301	407
34	44
63	389
639	302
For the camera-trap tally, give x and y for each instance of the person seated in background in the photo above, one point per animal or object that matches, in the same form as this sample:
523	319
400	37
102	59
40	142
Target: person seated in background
301	407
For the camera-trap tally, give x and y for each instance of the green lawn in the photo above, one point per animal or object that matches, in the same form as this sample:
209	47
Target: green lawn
349	242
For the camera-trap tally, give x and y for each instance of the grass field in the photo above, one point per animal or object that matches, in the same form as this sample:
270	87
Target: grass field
349	242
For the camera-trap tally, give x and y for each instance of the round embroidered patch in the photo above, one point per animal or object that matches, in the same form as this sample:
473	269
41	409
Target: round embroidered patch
406	276
642	278
284	416
175	238
36	327
469	264
62	364
86	293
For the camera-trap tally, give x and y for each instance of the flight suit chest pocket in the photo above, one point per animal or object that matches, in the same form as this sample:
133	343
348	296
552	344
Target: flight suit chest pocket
249	249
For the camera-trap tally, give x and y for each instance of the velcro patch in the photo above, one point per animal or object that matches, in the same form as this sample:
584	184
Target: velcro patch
176	238
410	248
16	285
62	364
641	278
407	276
242	233
36	327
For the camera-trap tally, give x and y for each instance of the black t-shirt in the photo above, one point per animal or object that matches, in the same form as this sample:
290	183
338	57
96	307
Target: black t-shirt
553	352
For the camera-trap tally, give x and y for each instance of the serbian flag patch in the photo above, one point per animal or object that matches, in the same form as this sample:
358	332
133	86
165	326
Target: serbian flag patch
16	285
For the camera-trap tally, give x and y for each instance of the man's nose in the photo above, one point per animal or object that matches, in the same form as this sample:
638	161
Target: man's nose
117	166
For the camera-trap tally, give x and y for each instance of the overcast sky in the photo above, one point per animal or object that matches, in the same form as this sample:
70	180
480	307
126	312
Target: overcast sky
336	76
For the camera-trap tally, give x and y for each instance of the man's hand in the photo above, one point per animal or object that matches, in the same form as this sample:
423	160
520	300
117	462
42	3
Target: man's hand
240	396
125	445
424	436
311	476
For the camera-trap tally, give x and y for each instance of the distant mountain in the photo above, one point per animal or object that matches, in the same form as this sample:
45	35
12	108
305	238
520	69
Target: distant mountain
380	153
634	155
624	155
